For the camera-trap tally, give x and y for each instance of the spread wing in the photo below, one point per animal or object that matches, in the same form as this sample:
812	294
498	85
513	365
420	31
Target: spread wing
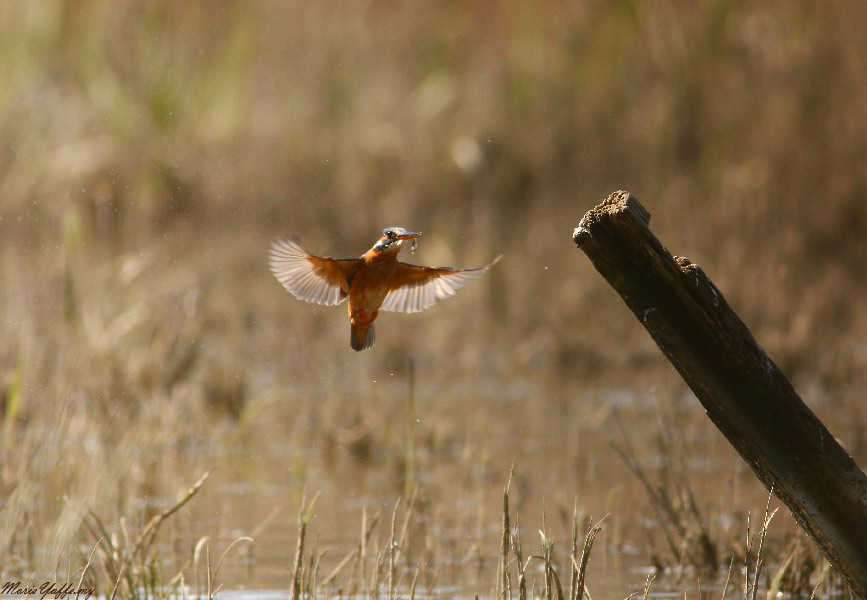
317	279
418	288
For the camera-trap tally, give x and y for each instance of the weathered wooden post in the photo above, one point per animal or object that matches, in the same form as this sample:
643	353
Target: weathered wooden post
744	393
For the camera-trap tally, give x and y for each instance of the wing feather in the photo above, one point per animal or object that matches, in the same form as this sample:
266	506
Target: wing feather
317	279
418	288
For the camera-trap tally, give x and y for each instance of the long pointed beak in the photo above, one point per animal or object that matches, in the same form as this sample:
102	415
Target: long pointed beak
409	235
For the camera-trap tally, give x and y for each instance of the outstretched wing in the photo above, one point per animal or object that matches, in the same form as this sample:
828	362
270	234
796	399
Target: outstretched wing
418	288
317	279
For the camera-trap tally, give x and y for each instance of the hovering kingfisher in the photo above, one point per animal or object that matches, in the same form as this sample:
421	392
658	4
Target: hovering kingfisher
374	281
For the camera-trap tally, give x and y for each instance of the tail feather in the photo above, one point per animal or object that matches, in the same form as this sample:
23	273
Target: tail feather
362	337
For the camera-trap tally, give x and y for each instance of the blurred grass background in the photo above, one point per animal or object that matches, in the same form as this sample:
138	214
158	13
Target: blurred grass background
208	128
152	150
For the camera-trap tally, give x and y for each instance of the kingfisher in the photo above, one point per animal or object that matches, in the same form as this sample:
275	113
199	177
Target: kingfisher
373	282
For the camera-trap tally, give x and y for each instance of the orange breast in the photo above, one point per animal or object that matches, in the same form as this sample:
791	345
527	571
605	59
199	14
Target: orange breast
372	283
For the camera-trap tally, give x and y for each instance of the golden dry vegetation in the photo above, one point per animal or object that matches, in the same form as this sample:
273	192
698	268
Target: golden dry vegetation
150	153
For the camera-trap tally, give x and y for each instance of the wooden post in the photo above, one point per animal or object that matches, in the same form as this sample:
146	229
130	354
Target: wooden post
744	393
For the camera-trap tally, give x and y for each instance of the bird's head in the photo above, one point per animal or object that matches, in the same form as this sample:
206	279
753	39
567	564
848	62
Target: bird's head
393	239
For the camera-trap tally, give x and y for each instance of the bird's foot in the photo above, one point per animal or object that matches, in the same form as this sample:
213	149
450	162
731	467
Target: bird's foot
365	318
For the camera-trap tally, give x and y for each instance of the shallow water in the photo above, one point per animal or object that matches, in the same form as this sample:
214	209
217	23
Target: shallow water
563	461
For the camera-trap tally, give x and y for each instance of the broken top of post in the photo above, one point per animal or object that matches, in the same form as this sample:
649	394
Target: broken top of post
743	391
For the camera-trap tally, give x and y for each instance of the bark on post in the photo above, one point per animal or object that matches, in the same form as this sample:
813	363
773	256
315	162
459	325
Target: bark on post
744	393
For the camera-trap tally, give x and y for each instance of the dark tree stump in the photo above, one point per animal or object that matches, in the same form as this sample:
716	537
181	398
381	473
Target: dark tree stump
744	393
